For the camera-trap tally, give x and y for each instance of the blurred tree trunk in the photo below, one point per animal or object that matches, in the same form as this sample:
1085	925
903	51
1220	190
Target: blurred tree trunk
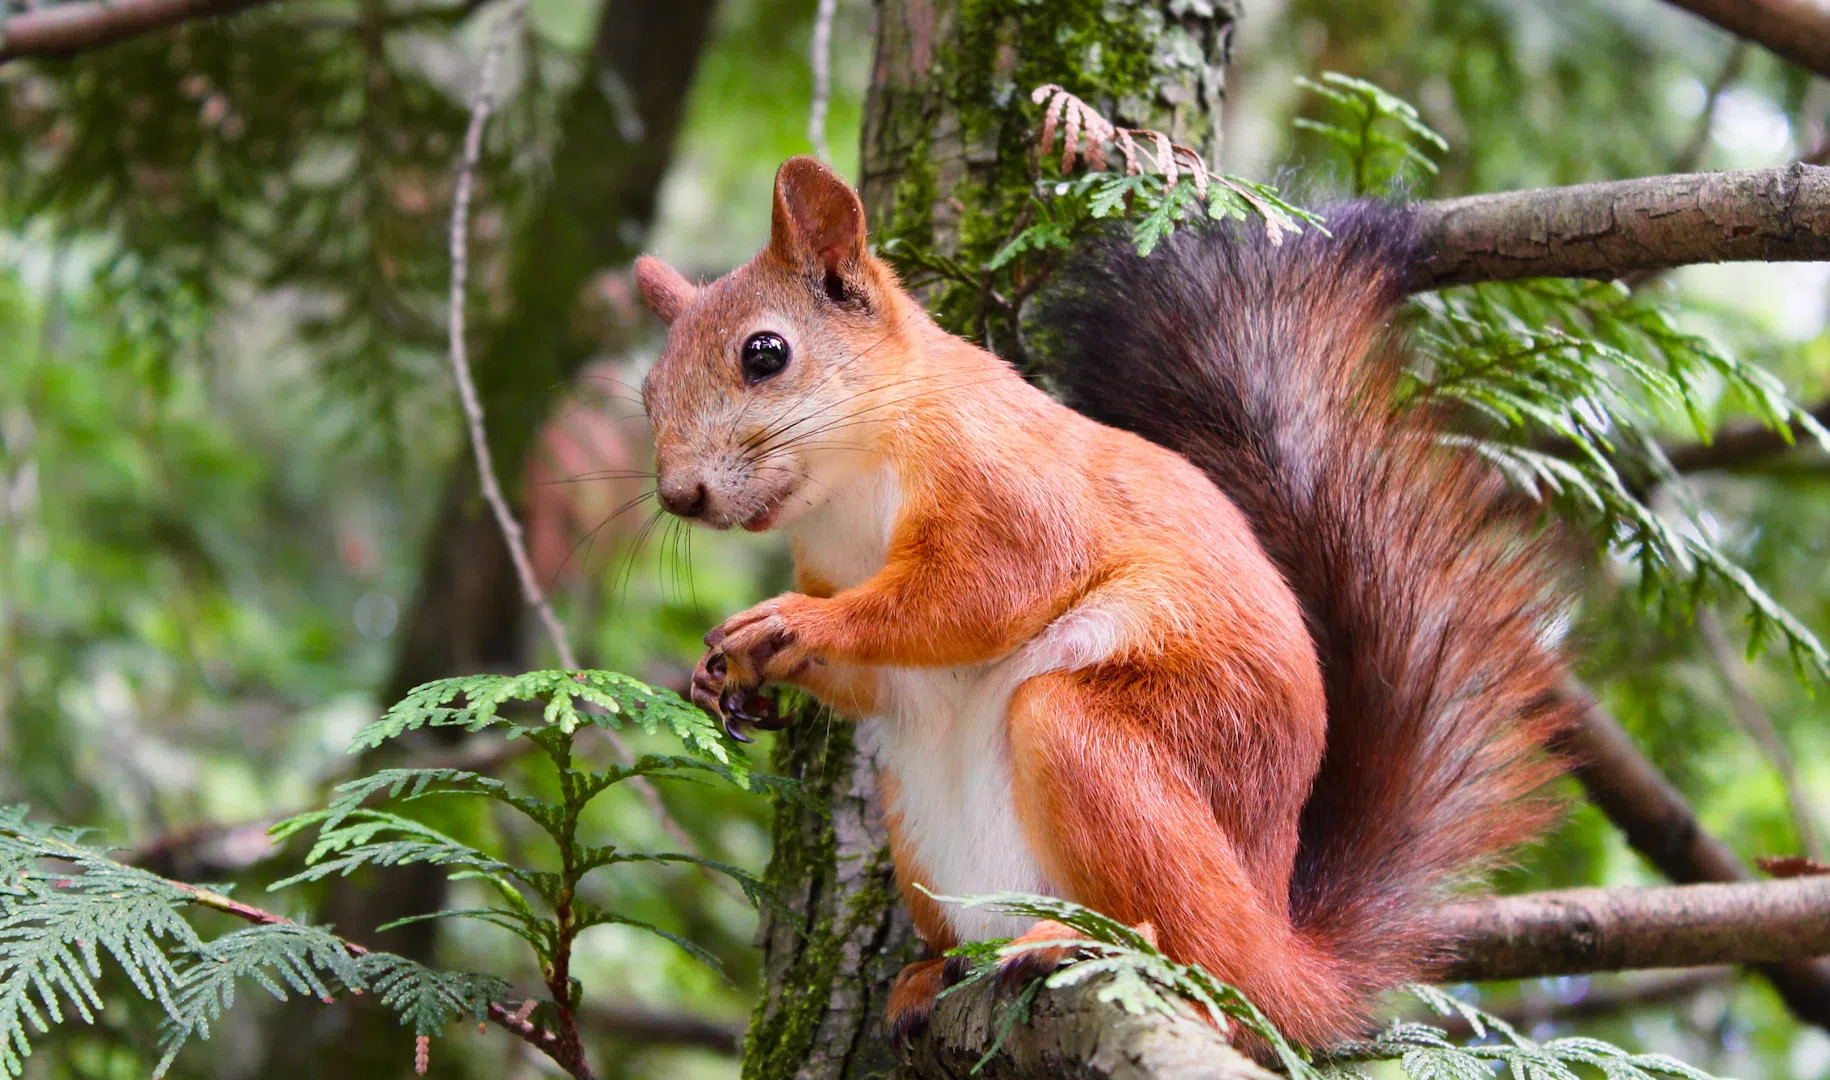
468	614
946	168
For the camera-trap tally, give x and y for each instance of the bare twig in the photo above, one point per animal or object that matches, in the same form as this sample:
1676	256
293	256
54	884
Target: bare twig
1797	30
1759	727
820	59
460	358
65	29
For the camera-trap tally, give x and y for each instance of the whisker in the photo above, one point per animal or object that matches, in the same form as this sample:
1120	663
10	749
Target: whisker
589	539
628	571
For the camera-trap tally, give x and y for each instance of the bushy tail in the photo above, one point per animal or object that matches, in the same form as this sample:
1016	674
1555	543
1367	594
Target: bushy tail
1272	368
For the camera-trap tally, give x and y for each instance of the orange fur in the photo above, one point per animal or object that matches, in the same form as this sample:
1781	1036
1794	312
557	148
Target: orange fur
1167	715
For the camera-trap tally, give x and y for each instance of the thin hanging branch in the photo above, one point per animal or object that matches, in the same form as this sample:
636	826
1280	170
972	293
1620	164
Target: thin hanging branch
481	107
820	60
1733	669
459	350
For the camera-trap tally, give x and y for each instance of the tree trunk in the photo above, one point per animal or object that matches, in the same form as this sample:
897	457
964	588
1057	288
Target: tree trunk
946	165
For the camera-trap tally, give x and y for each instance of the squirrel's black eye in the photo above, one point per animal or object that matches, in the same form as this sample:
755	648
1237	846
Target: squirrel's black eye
764	355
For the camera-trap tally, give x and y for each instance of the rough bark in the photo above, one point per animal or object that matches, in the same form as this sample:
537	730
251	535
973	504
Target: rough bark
827	967
59	30
1628	226
1071	1033
1578	931
1798	30
1659	824
948	128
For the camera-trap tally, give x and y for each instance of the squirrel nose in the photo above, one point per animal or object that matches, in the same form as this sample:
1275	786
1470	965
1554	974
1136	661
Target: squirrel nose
683	496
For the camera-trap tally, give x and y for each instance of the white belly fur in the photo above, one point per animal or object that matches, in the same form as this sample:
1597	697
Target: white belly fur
944	731
944	737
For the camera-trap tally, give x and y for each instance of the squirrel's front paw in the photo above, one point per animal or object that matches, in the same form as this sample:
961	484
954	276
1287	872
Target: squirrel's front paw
747	650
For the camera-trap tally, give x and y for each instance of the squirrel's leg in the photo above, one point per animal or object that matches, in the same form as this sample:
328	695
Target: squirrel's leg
1113	811
912	613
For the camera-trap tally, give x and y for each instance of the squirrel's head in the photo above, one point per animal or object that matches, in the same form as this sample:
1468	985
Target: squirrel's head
760	400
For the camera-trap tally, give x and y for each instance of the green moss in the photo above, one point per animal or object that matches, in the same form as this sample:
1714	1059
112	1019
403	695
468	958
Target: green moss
956	141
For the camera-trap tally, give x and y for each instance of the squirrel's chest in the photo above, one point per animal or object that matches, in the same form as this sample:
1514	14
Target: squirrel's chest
944	739
847	539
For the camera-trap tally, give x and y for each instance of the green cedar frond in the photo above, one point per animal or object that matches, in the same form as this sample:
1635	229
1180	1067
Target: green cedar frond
590	915
290	958
64	905
378	838
1427	1053
614	697
1595	369
426	999
1380	133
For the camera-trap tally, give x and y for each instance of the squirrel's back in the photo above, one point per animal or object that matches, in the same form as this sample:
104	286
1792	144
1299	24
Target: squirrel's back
1272	368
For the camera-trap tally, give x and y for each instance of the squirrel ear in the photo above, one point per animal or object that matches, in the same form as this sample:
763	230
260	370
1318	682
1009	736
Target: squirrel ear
666	289
818	227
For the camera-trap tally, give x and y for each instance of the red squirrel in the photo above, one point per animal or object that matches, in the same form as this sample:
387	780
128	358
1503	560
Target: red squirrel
1265	672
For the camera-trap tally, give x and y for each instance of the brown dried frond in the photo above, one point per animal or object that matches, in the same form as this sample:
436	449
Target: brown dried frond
1083	120
1169	158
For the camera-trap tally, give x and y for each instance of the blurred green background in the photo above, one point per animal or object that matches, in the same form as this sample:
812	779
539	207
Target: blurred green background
236	509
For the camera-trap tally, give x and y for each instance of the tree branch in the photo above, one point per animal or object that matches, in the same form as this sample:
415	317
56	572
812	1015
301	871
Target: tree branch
1660	825
1741	443
1578	931
1627	226
1796	30
65	29
656	1027
1631	992
1072	1033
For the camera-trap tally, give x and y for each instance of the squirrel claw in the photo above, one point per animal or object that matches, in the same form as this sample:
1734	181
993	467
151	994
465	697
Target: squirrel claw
742	708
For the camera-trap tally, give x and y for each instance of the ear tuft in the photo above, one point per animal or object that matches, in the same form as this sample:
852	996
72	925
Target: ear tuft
667	291
818	225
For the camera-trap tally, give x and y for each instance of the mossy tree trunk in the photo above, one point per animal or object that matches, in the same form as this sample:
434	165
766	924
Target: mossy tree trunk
947	171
